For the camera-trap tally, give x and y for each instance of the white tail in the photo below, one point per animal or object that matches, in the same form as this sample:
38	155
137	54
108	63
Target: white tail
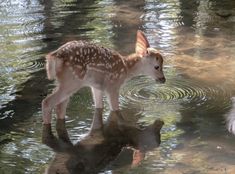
51	67
79	63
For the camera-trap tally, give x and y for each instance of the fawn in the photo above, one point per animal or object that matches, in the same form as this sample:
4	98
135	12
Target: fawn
78	63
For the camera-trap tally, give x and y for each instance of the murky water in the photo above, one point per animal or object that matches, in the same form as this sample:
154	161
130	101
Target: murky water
197	39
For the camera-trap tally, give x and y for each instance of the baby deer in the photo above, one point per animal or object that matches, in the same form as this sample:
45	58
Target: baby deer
78	63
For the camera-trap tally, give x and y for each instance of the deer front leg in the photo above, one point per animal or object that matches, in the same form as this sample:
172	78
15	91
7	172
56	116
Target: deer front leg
97	122
113	100
97	97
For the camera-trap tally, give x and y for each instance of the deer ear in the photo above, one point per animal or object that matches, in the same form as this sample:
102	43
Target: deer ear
141	44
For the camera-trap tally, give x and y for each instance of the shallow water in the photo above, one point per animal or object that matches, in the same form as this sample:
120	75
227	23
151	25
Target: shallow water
197	39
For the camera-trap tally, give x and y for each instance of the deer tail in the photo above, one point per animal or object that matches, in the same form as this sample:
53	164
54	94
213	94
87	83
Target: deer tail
51	66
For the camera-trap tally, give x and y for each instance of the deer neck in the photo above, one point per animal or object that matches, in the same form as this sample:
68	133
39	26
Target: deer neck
133	65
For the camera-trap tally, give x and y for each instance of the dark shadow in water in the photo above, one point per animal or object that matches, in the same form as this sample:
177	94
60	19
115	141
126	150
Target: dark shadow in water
126	22
188	9
199	122
104	147
69	30
26	102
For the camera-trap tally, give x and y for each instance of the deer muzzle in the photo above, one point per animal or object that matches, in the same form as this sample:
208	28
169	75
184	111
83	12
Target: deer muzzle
161	80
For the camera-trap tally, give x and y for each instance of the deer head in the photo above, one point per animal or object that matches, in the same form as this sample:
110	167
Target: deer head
153	60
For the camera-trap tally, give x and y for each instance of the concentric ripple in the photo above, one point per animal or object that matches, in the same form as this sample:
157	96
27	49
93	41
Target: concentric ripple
191	94
35	65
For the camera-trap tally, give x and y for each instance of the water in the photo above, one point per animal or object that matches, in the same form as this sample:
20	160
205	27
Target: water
197	39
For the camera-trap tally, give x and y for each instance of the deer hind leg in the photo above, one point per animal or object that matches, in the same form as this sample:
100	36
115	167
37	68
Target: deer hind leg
97	122
62	94
61	109
60	122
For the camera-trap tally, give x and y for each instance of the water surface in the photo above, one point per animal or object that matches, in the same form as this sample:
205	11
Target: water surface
197	39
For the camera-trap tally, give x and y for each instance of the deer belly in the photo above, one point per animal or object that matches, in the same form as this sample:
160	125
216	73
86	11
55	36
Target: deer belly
96	79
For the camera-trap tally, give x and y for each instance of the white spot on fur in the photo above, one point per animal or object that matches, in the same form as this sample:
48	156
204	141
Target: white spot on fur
78	66
67	63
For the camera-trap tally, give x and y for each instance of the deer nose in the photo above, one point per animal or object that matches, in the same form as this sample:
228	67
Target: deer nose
162	79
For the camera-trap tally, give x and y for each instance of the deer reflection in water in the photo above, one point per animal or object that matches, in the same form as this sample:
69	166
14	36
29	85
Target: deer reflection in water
101	146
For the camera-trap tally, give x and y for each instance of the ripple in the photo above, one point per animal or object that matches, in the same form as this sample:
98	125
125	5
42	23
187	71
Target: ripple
144	91
35	65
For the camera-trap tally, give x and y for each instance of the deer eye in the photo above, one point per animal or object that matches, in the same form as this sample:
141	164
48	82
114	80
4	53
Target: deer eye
156	67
